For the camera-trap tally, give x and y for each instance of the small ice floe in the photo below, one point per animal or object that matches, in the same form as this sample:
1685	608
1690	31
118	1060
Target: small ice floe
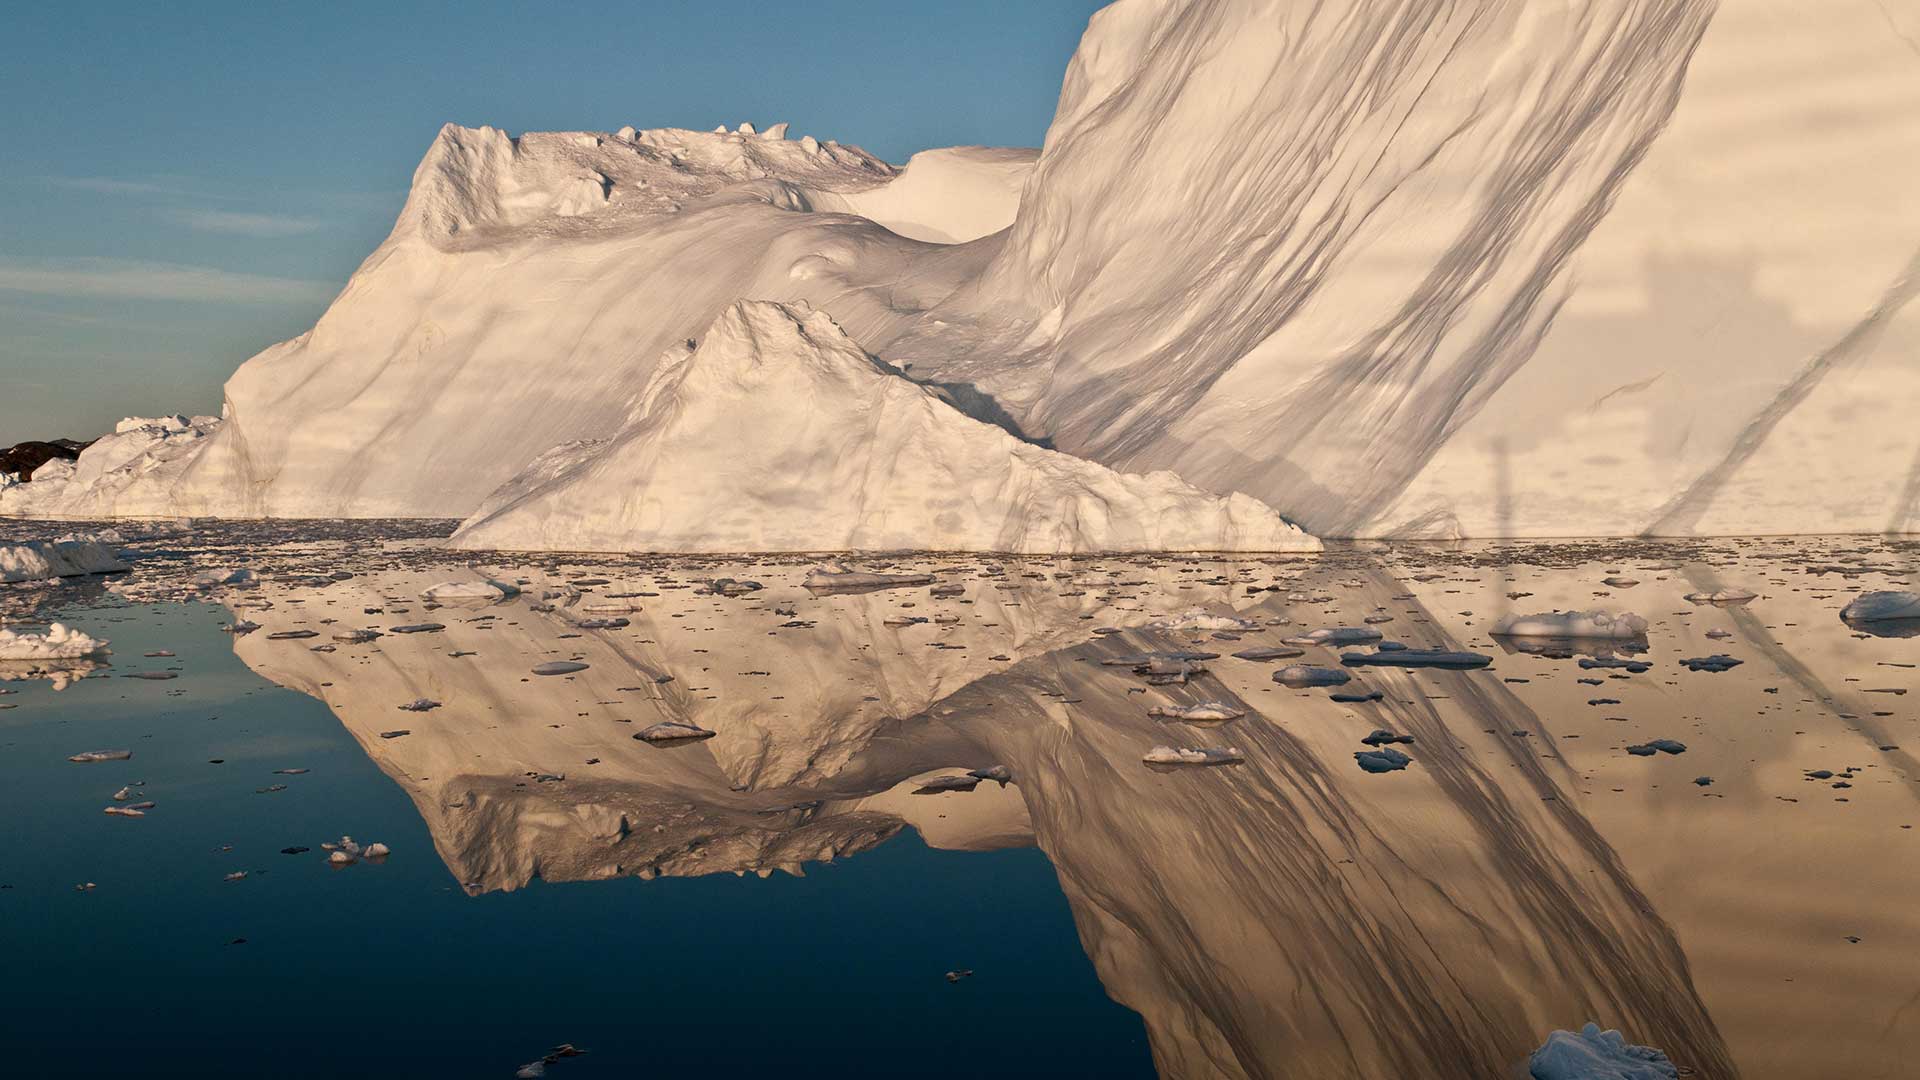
420	628
292	635
1301	676
559	667
1205	712
673	731
607	604
1573	624
1422	658
356	637
1169	670
155	676
1703	781
534	1070
614	623
1732	595
420	705
133	810
1598	1055
1377	618
957	974
1635	667
948	589
1715	663
1383	737
1719	635
346	851
1270	652
1882	605
1201	755
1200	619
1657	746
482	589
215	579
290	772
1381	761
1335	636
941	784
60	642
898	622
1620	582
831	576
397	733
727	586
1356	698
89	756
999	774
241	626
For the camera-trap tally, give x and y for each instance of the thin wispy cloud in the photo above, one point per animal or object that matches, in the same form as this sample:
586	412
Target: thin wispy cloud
138	279
107	185
244	224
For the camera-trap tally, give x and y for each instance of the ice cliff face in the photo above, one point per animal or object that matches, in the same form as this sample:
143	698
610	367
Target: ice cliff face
1392	268
778	433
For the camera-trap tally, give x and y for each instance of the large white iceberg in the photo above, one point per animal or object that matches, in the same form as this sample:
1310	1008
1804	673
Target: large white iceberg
1883	605
1514	275
778	433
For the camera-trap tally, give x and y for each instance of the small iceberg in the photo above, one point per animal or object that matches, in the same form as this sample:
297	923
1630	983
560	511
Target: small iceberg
1384	760
485	589
1593	1054
1722	596
1411	658
1573	624
42	560
87	757
673	731
559	667
1300	676
60	642
831	576
1882	606
1335	636
1205	712
1270	652
1200	619
1204	755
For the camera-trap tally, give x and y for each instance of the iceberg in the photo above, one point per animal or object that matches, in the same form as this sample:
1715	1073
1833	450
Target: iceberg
1592	1054
1594	624
1884	605
42	560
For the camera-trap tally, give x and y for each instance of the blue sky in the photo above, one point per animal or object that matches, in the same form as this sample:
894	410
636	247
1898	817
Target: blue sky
185	184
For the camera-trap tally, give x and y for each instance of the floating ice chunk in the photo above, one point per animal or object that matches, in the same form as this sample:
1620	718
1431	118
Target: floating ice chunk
355	637
1270	652
1878	606
41	560
420	628
942	784
89	756
1732	595
673	731
486	589
1434	658
1200	619
1715	663
1300	676
1206	712
839	576
1572	624
1337	635
1652	746
1598	1055
1383	760
559	667
1203	755
999	774
214	579
60	642
420	705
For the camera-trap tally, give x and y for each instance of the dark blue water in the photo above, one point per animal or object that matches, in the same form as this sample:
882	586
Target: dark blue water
391	970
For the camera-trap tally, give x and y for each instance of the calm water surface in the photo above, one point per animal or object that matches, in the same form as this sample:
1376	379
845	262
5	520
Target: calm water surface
781	896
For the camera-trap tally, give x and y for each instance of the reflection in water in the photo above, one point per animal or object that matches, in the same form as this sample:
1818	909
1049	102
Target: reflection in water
1290	916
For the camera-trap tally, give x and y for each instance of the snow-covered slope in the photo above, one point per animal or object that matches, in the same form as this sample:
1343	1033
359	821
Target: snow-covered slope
1492	267
778	433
